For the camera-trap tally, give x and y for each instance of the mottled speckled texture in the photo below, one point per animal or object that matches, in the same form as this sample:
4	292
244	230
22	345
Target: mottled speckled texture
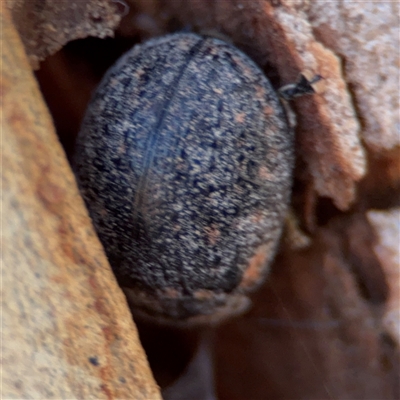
185	161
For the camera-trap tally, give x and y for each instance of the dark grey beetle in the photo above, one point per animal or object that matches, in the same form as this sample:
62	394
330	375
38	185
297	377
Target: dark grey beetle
185	162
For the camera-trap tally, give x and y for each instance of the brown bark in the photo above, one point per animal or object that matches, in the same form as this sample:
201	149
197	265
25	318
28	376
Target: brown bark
67	331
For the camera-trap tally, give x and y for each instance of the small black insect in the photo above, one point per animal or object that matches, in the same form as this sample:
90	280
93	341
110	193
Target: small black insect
185	162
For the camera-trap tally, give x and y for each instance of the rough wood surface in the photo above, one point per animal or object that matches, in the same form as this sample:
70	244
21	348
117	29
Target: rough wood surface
46	26
67	331
367	38
386	226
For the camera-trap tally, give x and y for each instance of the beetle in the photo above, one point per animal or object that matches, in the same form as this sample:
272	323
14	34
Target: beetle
185	159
